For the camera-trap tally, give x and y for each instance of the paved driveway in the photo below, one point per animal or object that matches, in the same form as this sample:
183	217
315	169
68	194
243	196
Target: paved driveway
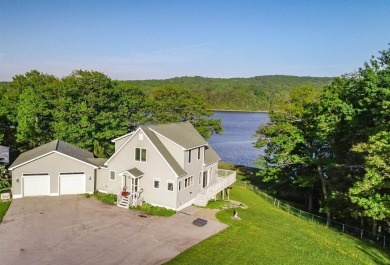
79	230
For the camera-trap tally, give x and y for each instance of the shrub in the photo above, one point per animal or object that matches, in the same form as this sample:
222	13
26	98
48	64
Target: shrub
106	197
154	210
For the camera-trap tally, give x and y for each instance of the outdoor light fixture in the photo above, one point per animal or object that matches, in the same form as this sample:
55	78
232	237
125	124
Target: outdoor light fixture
17	179
89	177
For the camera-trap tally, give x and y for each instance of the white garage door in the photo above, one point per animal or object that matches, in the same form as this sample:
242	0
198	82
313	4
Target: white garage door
72	183
36	185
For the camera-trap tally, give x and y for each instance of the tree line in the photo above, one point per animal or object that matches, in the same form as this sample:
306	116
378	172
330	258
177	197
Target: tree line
255	93
88	109
332	145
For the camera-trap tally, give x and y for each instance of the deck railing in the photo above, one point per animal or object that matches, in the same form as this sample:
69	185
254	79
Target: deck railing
225	179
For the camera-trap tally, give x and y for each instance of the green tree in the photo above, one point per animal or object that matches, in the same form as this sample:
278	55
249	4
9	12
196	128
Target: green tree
372	191
30	98
91	109
173	104
293	153
33	129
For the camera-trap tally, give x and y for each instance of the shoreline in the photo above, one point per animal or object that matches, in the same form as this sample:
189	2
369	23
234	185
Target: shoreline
227	110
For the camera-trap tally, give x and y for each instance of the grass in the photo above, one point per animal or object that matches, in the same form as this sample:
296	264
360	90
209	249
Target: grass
154	210
105	197
3	209
268	235
216	204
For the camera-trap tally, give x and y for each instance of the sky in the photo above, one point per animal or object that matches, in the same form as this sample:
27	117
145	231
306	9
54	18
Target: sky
133	40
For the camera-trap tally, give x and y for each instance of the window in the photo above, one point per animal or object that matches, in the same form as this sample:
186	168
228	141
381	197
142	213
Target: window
189	156
170	185
112	175
156	183
140	154
198	153
188	181
180	185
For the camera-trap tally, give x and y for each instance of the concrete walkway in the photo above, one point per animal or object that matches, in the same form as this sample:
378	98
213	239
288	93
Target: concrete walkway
79	230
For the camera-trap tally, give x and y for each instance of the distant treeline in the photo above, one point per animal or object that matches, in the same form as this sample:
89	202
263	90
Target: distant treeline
254	93
260	93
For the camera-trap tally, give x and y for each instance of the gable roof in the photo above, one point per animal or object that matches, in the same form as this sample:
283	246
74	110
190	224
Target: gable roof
123	136
54	146
164	151
135	172
182	133
210	156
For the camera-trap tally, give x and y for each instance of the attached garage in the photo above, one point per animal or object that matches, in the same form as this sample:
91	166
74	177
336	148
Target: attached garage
72	183
36	185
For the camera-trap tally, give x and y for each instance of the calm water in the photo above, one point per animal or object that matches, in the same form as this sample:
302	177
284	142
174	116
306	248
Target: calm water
234	145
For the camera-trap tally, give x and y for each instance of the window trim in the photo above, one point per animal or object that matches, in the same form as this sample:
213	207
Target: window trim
154	181
173	187
140	155
114	175
188	181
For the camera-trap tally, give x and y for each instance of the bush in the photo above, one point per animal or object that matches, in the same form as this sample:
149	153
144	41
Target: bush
4	183
106	197
154	210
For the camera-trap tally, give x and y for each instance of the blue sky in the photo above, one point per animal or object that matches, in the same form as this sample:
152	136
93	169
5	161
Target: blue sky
164	39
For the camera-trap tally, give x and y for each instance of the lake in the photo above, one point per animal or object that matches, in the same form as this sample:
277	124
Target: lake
235	144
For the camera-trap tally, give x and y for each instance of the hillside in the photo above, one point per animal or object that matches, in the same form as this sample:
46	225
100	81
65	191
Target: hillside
268	235
260	93
254	93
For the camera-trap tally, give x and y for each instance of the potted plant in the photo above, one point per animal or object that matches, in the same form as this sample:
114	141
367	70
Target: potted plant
124	192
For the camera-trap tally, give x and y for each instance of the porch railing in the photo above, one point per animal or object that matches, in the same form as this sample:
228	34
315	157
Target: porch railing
225	179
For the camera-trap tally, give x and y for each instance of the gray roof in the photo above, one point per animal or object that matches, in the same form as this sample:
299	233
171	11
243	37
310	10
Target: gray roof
210	156
56	145
98	161
4	154
135	172
183	134
164	151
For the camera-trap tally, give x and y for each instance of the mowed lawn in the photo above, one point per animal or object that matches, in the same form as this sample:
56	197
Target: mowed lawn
3	209
268	235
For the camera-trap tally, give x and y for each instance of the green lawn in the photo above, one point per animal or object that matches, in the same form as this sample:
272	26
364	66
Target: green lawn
268	235
3	209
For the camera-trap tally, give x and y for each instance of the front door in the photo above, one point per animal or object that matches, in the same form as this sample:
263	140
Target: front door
205	179
134	184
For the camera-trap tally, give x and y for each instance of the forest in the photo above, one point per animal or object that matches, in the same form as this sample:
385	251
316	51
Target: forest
260	93
332	146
